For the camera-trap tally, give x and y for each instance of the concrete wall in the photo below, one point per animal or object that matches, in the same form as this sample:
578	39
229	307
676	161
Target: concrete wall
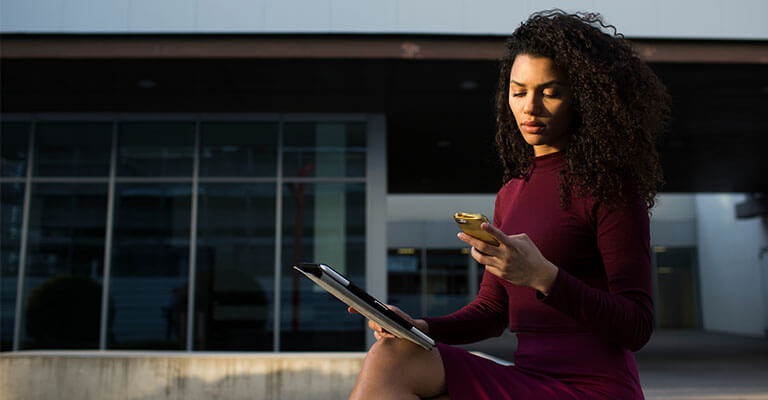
184	376
733	284
115	375
700	19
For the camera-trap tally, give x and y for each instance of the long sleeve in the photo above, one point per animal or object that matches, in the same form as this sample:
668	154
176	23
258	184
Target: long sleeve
624	313
484	317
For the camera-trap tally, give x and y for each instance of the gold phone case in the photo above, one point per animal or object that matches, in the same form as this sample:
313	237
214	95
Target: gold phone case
470	224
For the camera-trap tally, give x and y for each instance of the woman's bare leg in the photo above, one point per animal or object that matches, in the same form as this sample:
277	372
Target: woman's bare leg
399	369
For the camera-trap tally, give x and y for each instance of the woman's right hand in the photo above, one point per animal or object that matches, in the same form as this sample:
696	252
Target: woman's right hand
381	333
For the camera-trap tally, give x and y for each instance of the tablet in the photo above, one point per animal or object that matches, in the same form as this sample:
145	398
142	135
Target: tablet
344	290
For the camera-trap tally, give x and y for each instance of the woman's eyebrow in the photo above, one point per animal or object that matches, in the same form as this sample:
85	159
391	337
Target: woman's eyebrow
545	84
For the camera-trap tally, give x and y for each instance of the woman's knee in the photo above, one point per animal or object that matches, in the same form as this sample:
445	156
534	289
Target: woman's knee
395	351
406	361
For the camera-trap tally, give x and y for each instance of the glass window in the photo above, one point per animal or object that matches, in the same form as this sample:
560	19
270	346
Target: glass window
11	210
324	149
323	222
677	302
155	149
235	267
447	281
150	266
64	270
148	293
404	279
73	149
238	149
14	145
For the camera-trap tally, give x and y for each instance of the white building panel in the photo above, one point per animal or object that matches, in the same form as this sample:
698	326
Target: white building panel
362	16
742	17
31	15
298	16
431	16
683	19
217	15
688	20
166	16
632	18
101	15
730	268
506	15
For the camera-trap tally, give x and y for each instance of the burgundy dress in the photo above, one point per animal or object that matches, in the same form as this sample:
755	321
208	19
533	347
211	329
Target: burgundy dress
576	342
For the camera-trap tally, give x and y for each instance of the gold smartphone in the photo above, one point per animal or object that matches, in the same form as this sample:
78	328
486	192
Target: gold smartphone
469	223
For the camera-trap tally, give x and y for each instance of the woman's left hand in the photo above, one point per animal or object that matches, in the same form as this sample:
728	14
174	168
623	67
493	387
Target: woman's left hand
516	259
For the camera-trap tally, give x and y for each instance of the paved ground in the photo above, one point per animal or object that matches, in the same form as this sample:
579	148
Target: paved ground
688	365
696	365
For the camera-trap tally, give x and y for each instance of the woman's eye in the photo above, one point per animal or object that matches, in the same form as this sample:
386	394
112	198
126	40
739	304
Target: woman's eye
518	94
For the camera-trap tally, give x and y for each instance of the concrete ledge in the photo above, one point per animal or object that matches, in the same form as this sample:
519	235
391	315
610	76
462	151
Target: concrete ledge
175	375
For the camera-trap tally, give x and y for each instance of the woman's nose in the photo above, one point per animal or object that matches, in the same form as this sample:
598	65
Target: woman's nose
531	104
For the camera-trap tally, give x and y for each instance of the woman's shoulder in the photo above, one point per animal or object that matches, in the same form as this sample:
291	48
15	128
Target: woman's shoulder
509	189
628	205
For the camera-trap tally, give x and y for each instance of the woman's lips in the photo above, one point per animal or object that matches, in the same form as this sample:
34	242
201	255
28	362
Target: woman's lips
533	127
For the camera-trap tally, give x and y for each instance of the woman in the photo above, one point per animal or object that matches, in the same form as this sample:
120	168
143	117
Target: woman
578	115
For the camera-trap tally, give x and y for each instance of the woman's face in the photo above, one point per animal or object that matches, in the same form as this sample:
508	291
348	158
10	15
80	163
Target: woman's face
541	102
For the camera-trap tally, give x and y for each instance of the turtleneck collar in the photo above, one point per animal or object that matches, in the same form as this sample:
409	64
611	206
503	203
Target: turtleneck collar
549	162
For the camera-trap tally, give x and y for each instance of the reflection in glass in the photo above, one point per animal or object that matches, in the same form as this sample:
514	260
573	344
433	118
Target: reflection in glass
447	281
155	149
73	149
62	286
11	210
323	222
235	267
14	144
404	280
150	266
238	149
324	149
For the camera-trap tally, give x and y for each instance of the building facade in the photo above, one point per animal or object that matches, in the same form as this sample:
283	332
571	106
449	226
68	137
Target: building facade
164	165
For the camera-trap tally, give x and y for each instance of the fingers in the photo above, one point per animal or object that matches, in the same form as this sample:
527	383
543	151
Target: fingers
378	331
482	258
382	335
478	244
494	231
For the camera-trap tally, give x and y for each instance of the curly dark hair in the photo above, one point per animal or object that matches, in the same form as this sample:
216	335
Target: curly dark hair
621	108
